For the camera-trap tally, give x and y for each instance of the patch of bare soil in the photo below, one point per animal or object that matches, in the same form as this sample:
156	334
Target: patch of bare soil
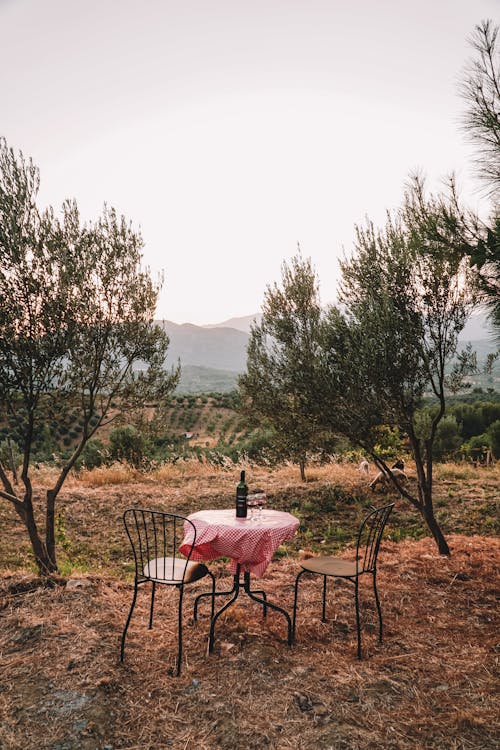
431	684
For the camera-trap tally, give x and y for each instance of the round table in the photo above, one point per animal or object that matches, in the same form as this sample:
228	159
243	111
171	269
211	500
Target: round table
249	543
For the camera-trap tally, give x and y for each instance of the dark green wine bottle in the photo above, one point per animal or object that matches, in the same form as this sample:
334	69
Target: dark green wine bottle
241	497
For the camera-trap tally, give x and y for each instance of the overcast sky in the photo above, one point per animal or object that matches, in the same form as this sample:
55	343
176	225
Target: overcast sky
228	131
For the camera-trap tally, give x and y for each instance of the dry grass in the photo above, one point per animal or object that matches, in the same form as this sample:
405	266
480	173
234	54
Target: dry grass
431	684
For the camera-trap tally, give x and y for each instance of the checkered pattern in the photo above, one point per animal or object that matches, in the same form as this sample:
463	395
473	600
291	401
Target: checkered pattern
251	544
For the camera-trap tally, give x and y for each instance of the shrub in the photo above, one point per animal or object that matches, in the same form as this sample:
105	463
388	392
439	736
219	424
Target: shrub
448	438
494	437
476	446
93	455
128	444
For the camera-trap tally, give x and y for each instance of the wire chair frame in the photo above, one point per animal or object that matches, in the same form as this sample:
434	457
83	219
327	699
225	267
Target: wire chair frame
154	537
373	527
367	548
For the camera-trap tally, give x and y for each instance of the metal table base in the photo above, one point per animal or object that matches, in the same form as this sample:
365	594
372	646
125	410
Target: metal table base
258	596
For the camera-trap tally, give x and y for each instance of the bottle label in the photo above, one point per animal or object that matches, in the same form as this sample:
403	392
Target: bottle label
241	503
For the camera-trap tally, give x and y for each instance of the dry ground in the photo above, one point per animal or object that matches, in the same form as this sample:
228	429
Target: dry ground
431	684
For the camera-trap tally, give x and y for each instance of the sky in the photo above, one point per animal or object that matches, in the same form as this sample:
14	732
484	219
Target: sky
230	131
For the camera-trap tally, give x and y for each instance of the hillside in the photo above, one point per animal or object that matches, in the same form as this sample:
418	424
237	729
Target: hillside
218	348
197	379
213	356
241	324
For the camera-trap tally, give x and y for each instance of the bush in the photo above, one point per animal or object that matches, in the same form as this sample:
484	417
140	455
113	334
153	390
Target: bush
93	455
388	441
448	438
494	437
476	446
128	444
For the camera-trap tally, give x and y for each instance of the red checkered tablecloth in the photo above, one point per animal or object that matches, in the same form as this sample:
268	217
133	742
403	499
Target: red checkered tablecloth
250	544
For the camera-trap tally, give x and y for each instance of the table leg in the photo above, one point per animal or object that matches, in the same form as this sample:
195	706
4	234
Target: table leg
209	593
235	590
266	603
226	593
253	595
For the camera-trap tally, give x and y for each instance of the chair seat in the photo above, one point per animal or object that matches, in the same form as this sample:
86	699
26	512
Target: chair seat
174	570
331	566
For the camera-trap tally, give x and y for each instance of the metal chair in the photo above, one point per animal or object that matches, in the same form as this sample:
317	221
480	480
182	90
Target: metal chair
368	544
155	537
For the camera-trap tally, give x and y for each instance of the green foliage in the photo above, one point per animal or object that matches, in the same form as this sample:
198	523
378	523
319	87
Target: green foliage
448	438
61	535
494	438
76	329
481	90
93	455
406	293
388	442
45	443
127	444
259	447
282	354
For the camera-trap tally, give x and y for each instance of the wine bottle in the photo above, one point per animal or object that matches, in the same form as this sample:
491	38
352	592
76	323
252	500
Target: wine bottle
241	497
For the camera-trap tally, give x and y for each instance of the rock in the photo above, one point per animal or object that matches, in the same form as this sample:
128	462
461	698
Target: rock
78	583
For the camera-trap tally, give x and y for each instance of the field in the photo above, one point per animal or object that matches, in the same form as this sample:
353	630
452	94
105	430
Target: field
431	684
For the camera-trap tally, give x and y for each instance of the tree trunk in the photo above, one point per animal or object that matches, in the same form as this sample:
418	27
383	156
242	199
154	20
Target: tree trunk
436	532
425	506
50	528
46	565
302	465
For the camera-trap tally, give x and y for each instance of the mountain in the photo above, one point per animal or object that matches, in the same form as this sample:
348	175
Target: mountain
477	327
241	324
213	356
219	348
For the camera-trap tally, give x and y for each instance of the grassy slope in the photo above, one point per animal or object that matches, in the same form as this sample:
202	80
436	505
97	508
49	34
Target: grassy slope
330	505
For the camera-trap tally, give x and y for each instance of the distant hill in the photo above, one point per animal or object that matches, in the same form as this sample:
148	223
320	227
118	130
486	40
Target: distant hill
213	356
218	348
241	324
206	380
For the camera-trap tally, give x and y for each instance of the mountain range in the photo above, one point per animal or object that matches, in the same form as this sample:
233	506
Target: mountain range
212	356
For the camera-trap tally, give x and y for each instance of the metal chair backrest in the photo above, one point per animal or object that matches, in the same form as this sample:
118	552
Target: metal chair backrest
369	538
155	537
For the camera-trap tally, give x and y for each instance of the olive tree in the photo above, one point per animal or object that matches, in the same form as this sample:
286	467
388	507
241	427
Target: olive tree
404	297
480	89
76	332
281	362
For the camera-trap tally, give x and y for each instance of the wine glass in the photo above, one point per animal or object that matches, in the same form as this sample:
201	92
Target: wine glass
252	505
261	503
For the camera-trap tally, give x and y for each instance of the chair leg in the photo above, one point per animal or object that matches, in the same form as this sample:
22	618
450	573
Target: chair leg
323	613
134	599
378	606
212	608
295	602
153	590
179	639
358	627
